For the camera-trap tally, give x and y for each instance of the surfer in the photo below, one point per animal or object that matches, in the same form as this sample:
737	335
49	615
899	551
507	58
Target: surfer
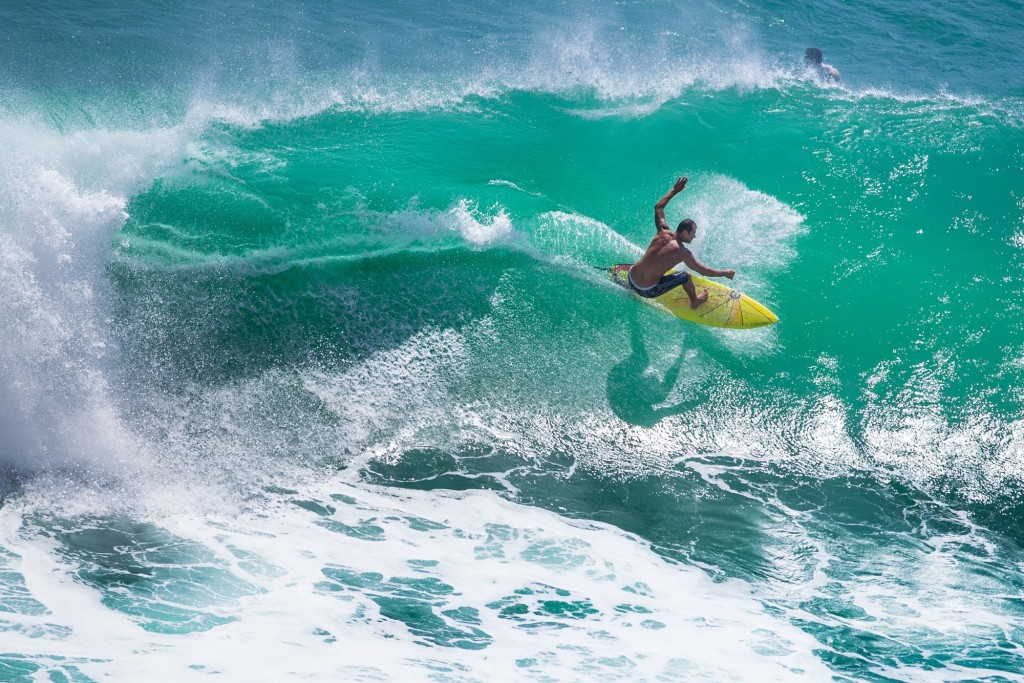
648	276
813	57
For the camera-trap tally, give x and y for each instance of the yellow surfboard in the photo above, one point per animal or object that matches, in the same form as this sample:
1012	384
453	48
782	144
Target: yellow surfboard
725	306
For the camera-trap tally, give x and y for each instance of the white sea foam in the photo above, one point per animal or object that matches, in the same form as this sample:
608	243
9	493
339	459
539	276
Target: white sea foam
911	433
477	228
1017	239
63	195
353	581
599	55
508	183
597	77
580	240
561	599
741	228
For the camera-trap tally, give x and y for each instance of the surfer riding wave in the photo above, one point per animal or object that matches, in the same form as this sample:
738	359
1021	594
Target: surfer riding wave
648	276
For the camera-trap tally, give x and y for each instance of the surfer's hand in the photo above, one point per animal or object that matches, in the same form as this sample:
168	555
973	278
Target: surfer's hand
680	184
729	274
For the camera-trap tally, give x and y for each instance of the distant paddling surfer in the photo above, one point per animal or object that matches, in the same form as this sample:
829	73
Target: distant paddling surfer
648	276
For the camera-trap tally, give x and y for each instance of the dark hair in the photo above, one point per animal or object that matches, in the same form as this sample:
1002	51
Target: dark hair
686	225
812	55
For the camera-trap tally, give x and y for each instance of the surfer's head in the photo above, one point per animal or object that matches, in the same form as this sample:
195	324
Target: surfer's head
812	56
686	230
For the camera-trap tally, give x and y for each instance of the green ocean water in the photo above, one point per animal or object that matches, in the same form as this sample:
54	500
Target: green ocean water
310	367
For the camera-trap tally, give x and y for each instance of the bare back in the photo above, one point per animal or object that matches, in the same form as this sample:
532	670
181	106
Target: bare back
663	254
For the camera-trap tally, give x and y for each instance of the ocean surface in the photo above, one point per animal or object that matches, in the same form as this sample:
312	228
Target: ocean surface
308	369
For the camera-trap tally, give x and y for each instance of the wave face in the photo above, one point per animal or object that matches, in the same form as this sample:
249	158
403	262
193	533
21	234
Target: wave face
307	365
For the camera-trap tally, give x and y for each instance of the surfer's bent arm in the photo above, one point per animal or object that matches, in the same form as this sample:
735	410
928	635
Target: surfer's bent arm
693	264
659	209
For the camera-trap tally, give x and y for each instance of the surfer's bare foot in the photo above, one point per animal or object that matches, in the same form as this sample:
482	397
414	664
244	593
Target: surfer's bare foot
701	298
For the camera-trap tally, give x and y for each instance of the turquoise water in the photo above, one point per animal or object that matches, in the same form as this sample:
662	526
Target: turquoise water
307	370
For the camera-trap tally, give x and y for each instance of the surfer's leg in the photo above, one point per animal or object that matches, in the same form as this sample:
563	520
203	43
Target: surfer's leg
667	283
670	282
695	299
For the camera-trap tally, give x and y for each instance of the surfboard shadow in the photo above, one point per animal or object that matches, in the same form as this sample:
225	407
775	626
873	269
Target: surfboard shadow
634	390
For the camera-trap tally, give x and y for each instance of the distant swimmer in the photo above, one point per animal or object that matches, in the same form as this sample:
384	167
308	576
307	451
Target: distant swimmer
647	276
813	57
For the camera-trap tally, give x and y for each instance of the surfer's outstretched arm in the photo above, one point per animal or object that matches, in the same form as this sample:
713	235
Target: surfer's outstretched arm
693	264
659	209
